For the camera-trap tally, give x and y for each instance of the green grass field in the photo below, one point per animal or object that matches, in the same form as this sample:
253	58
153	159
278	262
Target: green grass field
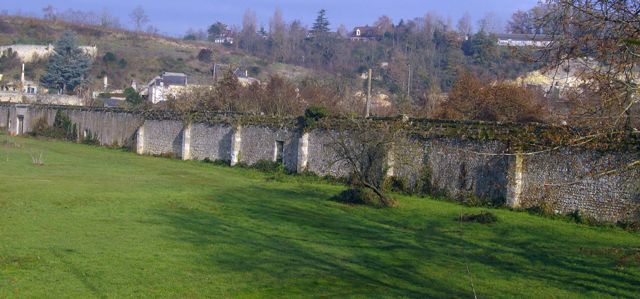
97	222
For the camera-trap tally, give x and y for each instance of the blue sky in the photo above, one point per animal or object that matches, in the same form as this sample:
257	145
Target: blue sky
175	17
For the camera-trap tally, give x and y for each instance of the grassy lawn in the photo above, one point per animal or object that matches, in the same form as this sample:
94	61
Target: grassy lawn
97	222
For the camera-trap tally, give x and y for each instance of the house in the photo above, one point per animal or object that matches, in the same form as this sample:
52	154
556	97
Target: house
524	40
165	85
29	87
224	38
366	33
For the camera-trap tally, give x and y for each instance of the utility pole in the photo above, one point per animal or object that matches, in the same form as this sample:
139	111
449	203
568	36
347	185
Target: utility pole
409	83
368	104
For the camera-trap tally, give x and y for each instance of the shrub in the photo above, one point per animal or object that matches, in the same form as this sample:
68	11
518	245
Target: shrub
313	114
89	138
62	127
205	55
109	58
122	63
629	225
40	127
358	196
483	217
578	217
543	208
269	166
472	98
398	184
62	124
216	162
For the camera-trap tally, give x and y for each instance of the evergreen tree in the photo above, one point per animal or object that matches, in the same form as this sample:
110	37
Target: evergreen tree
132	97
321	24
216	30
68	66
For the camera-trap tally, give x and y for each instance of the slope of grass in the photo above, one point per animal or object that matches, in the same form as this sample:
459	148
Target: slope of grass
146	55
96	222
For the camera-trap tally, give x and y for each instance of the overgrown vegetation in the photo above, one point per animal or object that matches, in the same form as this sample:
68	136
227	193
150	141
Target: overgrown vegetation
474	99
62	127
483	217
312	115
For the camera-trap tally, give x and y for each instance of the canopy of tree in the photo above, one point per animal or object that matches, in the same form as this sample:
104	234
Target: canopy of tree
68	66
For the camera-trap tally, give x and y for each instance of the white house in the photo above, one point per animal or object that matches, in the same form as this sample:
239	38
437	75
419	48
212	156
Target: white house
523	40
165	85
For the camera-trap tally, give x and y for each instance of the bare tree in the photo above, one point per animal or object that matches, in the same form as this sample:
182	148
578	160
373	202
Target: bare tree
384	24
277	34
465	26
364	150
49	13
139	18
520	23
489	23
107	20
248	36
601	38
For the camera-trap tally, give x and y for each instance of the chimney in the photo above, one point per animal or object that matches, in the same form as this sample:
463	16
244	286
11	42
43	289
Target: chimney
106	82
22	75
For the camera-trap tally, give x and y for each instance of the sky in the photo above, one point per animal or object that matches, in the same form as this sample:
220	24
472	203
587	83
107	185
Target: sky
175	17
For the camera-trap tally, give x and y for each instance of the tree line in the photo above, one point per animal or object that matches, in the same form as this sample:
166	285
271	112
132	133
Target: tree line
415	60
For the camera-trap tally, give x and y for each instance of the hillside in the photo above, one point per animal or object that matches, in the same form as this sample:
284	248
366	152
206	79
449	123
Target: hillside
136	56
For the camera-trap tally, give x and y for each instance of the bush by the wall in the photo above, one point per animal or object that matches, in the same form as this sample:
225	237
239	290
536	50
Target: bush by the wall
269	166
90	138
62	127
358	196
483	217
313	114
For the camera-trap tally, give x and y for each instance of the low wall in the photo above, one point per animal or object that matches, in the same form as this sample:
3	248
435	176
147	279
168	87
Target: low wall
110	128
4	118
571	180
163	137
428	159
468	168
211	142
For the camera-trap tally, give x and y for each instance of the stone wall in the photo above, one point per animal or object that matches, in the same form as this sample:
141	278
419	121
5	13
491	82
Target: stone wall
163	137
211	142
571	180
322	159
259	143
459	168
4	118
41	98
108	127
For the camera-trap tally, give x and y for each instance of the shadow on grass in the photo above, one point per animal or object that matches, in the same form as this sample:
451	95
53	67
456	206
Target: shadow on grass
315	247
